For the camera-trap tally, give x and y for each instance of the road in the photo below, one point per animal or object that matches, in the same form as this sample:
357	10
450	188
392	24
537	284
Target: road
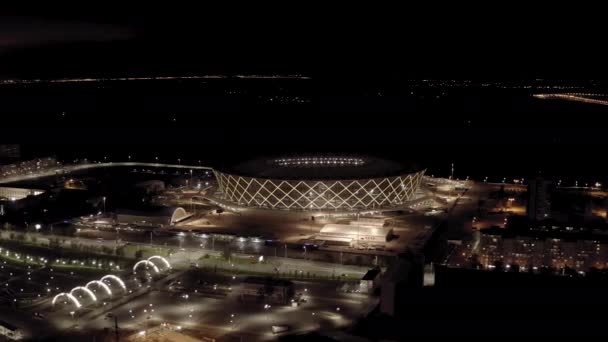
224	317
183	257
79	167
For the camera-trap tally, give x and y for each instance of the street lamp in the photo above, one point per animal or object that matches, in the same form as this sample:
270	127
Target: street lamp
104	204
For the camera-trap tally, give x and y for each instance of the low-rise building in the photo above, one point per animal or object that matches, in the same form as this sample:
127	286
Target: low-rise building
267	289
349	234
370	281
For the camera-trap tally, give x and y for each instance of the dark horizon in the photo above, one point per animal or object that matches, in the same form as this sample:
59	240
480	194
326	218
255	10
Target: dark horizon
508	44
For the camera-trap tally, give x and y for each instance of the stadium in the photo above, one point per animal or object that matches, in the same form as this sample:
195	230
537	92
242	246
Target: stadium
319	183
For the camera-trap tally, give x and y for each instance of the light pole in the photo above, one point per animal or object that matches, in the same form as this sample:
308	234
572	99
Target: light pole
266	307
116	242
232	321
104	204
452	172
129	157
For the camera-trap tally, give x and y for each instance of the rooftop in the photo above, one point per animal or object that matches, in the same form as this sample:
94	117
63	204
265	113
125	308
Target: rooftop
371	274
347	229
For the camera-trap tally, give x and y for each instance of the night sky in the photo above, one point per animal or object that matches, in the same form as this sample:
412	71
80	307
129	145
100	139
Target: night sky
360	98
511	42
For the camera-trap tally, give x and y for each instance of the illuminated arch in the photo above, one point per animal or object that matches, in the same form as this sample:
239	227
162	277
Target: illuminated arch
154	257
178	214
70	297
100	284
89	292
116	279
147	263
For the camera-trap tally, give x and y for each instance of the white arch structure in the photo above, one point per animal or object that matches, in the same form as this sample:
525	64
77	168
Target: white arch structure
70	297
89	292
100	284
115	278
147	263
154	257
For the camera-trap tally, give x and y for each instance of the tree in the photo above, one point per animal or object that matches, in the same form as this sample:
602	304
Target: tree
33	239
499	266
138	254
54	243
267	290
226	253
120	251
11	236
358	260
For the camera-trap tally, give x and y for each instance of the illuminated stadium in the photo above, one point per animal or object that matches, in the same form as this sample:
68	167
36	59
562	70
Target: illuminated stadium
319	183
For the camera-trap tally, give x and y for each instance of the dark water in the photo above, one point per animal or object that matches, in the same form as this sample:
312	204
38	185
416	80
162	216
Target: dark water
485	132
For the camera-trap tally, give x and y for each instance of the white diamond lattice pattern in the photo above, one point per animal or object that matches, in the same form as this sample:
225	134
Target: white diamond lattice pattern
325	194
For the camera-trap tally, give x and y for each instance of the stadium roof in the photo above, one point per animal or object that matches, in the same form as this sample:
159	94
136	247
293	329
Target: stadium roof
321	168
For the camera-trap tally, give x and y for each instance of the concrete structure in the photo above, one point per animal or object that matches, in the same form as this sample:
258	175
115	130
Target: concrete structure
349	234
403	275
15	194
535	249
267	289
319	183
539	204
10	331
151	216
369	221
370	281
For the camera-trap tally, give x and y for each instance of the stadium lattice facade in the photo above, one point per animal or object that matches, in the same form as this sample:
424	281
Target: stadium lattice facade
318	194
